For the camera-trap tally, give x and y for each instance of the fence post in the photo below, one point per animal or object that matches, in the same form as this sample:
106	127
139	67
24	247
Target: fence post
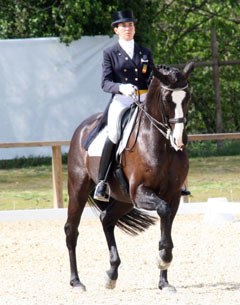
57	177
216	84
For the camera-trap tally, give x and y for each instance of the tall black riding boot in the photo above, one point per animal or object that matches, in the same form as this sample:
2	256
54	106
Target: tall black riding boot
107	154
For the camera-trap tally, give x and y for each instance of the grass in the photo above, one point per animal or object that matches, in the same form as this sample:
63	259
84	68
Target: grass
214	177
31	187
28	188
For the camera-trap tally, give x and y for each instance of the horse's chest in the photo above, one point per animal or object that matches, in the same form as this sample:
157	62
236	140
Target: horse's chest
164	167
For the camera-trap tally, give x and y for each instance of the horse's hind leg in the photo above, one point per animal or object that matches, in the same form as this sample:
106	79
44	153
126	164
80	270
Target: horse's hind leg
109	218
78	194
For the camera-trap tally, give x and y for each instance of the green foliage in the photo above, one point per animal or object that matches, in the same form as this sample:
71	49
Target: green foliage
67	19
177	31
210	148
24	162
185	35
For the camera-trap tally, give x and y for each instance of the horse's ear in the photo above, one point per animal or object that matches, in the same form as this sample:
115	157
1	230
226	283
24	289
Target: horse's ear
159	75
188	69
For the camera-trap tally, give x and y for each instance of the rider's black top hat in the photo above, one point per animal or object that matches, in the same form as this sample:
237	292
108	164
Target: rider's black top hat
123	16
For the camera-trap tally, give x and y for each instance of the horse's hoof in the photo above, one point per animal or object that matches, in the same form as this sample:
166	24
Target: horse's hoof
169	289
78	285
81	288
110	284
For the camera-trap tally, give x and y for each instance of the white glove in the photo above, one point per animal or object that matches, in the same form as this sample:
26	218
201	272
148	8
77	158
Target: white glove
127	89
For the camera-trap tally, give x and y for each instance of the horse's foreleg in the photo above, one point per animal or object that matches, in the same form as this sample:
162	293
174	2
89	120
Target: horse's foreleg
109	219
147	199
163	283
165	253
71	231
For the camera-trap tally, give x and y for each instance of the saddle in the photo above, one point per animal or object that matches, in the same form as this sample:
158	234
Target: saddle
96	138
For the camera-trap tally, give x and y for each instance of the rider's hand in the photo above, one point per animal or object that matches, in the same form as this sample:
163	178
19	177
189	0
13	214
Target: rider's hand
127	89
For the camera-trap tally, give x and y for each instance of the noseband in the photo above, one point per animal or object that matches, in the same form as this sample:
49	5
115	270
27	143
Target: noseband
177	120
163	128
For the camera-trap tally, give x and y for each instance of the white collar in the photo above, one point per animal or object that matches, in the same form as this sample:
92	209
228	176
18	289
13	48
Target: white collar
126	43
128	46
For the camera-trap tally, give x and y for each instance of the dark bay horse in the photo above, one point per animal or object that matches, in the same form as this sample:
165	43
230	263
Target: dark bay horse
154	165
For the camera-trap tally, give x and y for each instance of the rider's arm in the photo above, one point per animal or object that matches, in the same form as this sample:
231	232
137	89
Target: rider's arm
108	75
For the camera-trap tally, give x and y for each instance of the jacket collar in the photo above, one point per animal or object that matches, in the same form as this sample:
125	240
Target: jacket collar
137	53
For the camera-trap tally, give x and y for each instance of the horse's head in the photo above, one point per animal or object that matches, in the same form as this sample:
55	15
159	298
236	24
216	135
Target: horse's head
174	97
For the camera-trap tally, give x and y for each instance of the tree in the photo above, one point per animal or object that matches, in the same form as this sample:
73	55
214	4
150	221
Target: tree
185	28
67	19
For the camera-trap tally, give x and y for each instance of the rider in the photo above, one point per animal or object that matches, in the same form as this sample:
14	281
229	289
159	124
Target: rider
126	68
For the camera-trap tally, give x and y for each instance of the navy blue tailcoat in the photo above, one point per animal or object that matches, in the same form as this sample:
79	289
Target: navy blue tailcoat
119	68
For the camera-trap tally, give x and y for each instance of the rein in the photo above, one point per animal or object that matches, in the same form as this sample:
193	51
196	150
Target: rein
158	125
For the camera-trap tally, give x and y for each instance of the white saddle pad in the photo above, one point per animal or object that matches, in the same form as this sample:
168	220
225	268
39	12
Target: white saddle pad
96	147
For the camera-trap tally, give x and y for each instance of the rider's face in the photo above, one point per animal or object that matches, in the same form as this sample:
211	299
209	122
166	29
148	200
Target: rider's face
125	30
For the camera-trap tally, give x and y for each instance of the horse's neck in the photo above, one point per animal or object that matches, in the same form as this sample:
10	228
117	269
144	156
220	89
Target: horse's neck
153	101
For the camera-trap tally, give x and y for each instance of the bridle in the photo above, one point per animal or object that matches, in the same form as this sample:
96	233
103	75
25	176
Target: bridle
163	128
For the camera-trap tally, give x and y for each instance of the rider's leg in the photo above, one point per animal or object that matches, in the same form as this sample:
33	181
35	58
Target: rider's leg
118	105
105	163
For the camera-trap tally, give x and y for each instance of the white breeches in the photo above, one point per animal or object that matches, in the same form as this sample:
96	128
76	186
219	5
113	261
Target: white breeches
118	106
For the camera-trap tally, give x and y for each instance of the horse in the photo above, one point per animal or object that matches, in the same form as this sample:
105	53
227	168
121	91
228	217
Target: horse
154	166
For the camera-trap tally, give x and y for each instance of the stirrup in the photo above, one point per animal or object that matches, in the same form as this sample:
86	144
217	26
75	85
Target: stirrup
100	192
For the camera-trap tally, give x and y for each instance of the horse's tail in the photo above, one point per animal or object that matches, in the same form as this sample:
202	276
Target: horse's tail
133	223
136	221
